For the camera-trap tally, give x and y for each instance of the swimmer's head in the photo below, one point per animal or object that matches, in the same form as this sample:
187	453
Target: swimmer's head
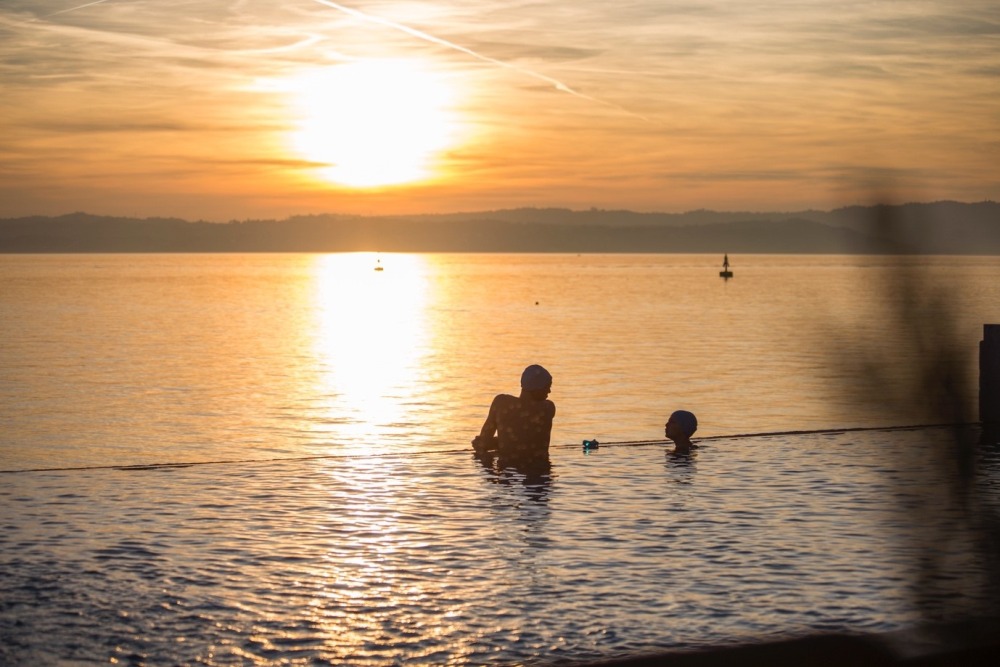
684	421
535	378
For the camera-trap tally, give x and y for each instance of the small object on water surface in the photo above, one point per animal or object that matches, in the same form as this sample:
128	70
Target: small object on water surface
725	272
590	445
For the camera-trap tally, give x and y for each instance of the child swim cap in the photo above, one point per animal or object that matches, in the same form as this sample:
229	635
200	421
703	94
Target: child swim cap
686	420
535	377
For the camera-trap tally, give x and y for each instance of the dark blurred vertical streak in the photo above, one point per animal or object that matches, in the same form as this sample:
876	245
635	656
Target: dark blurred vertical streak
938	394
956	632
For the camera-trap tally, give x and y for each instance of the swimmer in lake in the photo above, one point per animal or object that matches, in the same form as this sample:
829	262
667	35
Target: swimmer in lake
680	427
518	428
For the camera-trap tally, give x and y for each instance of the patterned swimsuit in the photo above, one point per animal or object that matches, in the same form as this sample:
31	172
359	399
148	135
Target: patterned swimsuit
523	428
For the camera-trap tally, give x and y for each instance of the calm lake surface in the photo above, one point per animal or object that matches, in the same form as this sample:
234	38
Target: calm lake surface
129	359
329	510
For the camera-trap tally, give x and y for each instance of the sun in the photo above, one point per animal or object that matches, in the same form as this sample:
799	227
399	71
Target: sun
373	123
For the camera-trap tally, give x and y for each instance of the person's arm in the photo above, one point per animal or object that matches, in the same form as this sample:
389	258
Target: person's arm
487	440
550	413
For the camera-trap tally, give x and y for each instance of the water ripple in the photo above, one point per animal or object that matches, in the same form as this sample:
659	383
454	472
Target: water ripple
436	560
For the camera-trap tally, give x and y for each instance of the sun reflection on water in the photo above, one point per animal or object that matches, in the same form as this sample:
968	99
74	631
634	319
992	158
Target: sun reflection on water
369	343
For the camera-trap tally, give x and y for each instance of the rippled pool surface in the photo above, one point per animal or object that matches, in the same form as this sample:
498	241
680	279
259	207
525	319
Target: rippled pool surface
433	559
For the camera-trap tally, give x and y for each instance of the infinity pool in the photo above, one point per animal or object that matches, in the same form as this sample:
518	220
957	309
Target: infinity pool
435	559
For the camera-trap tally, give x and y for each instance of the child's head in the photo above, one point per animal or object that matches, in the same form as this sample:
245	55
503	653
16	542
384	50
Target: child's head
681	425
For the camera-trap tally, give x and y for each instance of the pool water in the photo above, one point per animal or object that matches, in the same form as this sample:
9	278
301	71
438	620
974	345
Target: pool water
434	558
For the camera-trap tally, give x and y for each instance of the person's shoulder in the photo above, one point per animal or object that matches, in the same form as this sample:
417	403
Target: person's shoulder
503	398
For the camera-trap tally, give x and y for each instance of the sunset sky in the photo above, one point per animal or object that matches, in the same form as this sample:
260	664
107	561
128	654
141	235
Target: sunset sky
235	109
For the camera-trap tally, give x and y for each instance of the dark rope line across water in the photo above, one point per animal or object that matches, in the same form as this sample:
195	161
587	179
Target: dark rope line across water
467	450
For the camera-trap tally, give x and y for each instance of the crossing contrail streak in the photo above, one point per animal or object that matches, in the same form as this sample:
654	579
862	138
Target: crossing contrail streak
419	34
427	37
71	9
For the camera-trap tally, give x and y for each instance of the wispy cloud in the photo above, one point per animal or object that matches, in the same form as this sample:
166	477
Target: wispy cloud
419	34
71	9
750	102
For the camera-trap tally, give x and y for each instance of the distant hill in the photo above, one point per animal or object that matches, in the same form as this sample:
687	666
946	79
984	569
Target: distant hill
934	228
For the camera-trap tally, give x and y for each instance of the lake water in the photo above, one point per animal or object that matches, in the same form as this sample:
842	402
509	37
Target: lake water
333	514
127	359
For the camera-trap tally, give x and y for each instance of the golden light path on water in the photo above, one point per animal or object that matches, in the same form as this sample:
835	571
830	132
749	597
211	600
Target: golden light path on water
370	335
370	341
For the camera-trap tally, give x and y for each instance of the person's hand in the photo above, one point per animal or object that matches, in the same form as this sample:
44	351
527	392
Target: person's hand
481	444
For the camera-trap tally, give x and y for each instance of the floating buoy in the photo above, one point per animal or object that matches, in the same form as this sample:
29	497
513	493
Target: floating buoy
725	272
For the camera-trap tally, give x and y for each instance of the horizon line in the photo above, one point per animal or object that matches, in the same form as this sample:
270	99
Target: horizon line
592	209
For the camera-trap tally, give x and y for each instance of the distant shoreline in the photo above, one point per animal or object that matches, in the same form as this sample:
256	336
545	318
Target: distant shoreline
941	228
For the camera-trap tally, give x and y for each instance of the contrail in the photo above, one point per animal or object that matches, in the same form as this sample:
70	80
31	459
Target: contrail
419	34
71	9
308	41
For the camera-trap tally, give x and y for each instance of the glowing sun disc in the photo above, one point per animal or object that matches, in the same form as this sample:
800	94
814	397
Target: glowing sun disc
374	122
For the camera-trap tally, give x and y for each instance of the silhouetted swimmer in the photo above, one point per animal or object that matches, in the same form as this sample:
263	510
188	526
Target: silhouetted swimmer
518	428
680	427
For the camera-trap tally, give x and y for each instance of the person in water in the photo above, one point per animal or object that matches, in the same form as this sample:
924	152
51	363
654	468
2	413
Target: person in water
518	428
680	427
